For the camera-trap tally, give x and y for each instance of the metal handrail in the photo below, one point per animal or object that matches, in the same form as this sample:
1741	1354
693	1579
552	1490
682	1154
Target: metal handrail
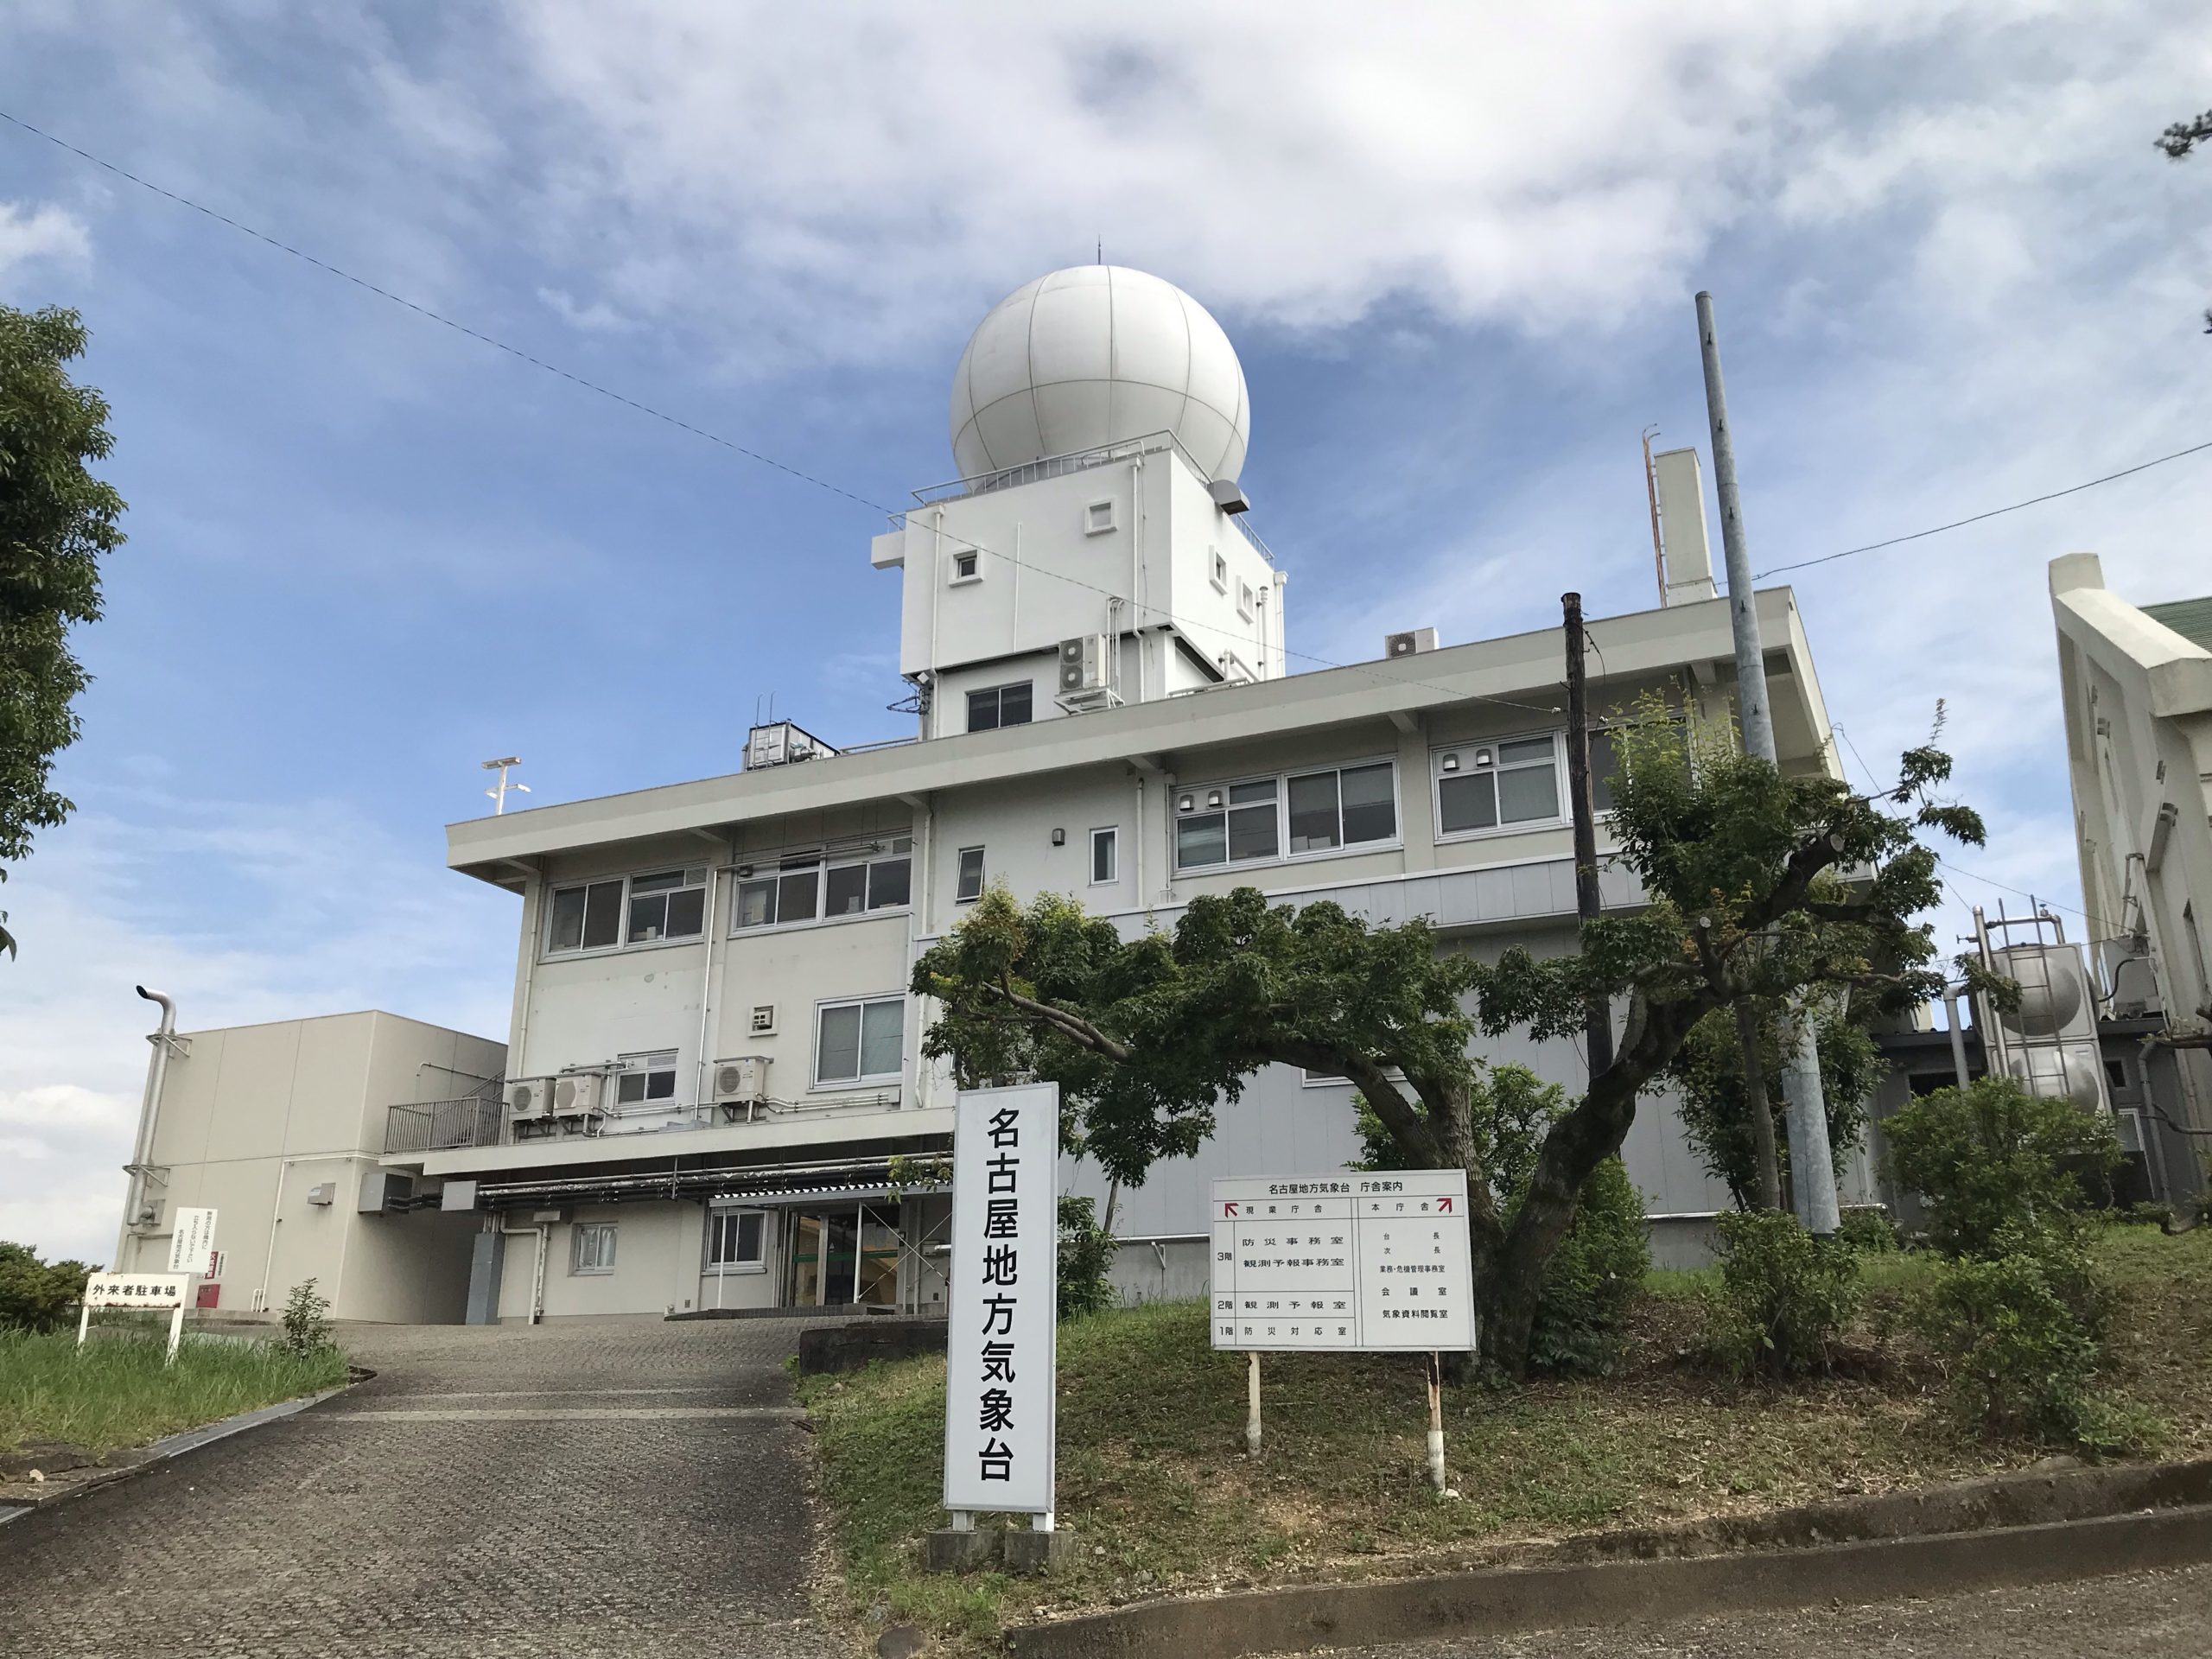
444	1125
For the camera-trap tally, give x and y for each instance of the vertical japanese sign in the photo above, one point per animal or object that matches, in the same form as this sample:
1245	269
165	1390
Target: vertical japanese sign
1000	1351
191	1242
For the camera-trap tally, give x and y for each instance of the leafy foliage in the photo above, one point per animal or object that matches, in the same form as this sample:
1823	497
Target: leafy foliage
2018	1325
1993	1156
1868	1230
306	1321
37	1296
56	522
1784	1297
1736	859
1709	1078
1086	1261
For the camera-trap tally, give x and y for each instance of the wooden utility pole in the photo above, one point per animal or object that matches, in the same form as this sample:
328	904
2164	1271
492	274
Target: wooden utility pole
1599	1018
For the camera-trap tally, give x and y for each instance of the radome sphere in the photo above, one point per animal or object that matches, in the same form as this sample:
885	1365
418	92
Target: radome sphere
1094	355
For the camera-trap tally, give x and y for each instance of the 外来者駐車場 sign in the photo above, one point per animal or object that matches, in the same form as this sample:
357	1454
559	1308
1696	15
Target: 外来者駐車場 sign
1377	1260
1000	1348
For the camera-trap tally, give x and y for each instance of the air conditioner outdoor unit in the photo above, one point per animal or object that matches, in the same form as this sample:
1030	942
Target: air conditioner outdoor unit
578	1095
743	1079
1086	662
1413	640
529	1097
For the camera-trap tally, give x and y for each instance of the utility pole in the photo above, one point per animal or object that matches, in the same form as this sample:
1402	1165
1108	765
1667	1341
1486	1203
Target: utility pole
1812	1172
1599	1020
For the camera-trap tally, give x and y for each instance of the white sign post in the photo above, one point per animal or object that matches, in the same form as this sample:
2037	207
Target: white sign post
1001	1347
138	1290
191	1242
1375	1262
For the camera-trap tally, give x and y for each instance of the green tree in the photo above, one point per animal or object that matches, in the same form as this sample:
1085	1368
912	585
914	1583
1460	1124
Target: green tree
2178	140
1737	861
1708	1079
56	522
1991	1158
37	1296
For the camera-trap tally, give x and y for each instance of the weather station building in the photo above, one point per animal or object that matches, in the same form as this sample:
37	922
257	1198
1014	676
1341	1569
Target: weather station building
712	1095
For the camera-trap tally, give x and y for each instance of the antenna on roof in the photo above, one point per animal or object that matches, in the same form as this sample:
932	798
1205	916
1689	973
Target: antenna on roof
498	791
1102	250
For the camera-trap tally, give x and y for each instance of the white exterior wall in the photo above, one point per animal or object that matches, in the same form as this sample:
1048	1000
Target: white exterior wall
254	1117
2138	701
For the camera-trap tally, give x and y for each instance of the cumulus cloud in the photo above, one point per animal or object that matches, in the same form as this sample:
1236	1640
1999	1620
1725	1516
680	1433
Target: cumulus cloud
31	232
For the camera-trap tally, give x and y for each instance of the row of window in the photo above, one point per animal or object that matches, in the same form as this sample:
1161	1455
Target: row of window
1479	788
856	1041
736	1241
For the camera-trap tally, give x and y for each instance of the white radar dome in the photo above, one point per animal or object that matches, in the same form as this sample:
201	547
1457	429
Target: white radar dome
1094	355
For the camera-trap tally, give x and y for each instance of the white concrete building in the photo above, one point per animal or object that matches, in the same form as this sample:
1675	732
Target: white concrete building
712	1098
2136	685
280	1129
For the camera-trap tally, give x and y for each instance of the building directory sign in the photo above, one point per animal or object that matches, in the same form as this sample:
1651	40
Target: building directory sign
1000	1348
192	1242
1376	1260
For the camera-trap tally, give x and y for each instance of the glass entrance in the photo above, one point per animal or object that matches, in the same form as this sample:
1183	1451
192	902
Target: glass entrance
842	1236
805	1289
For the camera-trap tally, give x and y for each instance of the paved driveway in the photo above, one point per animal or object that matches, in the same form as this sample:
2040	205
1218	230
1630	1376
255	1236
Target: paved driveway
616	1487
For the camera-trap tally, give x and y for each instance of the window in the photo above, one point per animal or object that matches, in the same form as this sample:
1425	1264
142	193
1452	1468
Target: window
1217	573
668	904
1490	786
860	1041
659	906
1304	812
997	706
1104	855
1098	518
967	567
970	886
735	1239
591	1247
1244	600
587	917
1604	763
807	887
645	1077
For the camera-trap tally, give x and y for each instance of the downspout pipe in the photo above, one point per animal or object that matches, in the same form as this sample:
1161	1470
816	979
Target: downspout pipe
162	1038
1951	995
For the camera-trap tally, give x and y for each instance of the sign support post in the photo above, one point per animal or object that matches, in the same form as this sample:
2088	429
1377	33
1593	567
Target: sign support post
1252	1406
1436	1421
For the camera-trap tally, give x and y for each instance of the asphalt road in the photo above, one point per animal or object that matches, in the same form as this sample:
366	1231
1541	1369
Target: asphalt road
600	1487
2141	1616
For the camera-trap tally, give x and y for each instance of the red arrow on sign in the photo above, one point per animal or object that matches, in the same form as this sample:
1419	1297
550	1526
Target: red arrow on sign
1228	1210
1442	1205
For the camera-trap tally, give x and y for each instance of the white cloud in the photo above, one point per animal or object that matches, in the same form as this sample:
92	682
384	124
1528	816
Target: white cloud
29	233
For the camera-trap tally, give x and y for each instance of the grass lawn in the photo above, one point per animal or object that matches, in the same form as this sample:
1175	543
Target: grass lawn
116	1391
1153	1479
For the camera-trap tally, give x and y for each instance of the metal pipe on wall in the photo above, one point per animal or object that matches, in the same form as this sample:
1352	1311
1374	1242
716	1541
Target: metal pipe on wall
161	1038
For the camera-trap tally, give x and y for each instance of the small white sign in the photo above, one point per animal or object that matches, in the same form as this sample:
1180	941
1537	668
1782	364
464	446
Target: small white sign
153	1290
191	1242
1000	1350
1366	1262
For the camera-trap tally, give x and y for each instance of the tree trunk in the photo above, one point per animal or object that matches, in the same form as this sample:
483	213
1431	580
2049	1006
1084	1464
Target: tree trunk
1755	1101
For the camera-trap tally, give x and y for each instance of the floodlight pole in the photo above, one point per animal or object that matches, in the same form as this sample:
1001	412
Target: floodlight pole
1812	1172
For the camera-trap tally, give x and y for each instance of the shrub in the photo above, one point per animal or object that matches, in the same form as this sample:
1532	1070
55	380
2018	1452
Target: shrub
1990	1155
1086	1261
306	1320
1868	1230
37	1296
1783	1297
1592	1277
2017	1328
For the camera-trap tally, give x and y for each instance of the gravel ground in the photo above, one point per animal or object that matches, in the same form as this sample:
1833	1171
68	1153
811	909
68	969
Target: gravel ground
658	1506
2141	1616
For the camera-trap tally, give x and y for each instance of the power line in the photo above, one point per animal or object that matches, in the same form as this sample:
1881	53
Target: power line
697	431
1994	512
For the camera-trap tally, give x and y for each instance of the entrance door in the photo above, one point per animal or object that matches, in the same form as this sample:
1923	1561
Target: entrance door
841	1255
806	1287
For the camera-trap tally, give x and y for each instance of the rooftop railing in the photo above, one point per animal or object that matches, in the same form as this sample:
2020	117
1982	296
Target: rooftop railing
444	1125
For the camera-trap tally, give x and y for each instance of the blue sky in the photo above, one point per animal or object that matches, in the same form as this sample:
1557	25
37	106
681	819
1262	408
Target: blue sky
1455	254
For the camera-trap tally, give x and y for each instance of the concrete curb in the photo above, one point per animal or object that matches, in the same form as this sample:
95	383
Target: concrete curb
145	1459
2008	1530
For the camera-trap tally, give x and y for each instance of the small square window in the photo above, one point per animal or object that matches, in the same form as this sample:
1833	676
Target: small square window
1098	518
591	1248
1217	573
967	566
735	1240
970	886
1244	600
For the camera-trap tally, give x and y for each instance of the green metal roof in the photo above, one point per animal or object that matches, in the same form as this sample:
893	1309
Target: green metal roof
2190	618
